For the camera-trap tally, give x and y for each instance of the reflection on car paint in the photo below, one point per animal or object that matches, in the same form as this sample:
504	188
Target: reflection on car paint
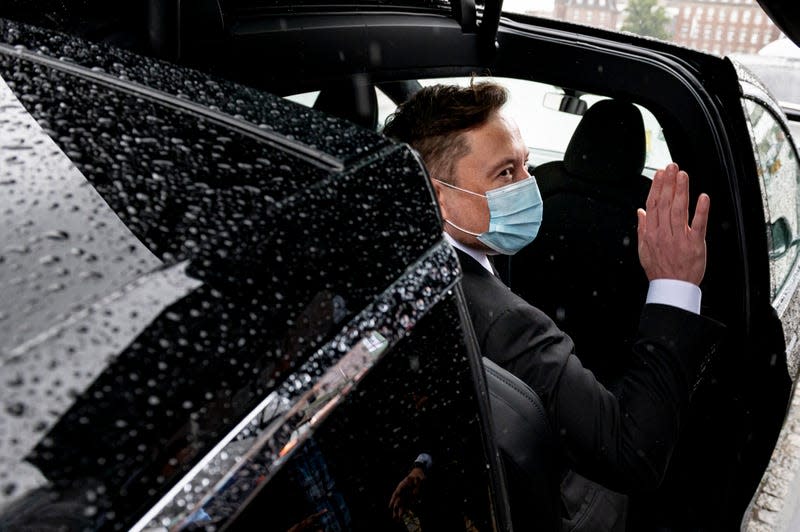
245	104
259	445
62	243
87	336
265	232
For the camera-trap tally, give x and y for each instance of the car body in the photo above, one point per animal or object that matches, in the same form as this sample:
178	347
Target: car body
222	301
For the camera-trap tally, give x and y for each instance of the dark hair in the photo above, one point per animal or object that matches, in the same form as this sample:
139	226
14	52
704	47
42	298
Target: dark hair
434	119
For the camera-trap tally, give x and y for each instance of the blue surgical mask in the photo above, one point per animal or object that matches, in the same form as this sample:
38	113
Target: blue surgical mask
515	214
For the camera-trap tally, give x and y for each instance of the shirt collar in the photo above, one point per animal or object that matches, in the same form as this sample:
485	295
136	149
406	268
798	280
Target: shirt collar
479	256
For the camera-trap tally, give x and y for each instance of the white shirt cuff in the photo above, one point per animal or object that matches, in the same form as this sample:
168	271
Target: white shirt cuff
681	294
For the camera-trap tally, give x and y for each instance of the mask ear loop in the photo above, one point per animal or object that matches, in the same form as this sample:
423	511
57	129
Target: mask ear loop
421	162
459	189
461	228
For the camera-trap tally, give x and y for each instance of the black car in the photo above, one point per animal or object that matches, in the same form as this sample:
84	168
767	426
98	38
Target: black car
225	309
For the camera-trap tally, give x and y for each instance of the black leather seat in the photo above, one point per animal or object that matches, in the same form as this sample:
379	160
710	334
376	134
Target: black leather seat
583	268
527	449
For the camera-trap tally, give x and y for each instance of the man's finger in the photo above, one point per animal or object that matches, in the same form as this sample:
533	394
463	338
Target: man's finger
398	492
666	197
700	220
641	227
679	214
652	199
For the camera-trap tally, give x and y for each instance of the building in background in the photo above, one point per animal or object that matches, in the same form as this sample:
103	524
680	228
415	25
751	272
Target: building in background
598	13
717	26
721	26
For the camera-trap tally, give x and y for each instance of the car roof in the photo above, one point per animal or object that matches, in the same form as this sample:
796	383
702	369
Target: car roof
786	15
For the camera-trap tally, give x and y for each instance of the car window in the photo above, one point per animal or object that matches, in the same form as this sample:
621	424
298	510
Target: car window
417	402
779	175
304	98
548	130
715	26
535	106
385	105
733	28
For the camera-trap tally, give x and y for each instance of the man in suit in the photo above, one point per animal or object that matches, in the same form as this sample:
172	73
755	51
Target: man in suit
476	159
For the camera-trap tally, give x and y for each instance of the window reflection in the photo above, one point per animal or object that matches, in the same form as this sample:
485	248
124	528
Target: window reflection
779	175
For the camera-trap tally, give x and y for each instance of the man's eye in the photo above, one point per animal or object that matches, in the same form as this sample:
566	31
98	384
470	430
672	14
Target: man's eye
507	173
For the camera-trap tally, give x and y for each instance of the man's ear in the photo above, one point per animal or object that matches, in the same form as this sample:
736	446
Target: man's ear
438	189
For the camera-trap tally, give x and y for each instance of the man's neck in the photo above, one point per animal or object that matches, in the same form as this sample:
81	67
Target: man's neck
476	254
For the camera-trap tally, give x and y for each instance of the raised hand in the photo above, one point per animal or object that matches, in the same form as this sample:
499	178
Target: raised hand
668	247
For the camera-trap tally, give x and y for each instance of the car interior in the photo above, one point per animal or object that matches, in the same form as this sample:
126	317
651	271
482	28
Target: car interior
583	271
583	268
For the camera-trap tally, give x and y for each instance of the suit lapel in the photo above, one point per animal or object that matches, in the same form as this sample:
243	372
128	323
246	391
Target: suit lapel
470	265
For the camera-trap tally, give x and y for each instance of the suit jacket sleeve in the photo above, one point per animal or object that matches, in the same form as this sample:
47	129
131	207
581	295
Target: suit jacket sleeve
625	440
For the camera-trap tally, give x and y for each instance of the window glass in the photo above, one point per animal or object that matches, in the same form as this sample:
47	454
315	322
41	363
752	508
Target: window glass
304	98
677	21
385	107
779	175
421	400
547	131
166	269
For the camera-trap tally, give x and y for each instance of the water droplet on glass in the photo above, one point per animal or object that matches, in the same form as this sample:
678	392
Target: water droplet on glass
56	235
49	260
16	409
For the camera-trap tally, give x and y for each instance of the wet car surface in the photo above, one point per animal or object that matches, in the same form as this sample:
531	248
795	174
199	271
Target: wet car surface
197	286
224	303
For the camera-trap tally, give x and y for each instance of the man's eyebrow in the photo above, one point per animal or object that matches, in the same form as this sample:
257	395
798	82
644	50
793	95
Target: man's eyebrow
505	161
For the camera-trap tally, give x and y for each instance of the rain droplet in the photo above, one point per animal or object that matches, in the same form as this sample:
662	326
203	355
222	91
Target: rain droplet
56	235
49	260
16	409
17	249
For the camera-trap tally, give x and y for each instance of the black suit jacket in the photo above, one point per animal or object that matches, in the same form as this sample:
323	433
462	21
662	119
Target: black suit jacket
623	439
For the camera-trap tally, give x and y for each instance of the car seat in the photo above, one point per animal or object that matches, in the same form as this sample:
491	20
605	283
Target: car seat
352	100
583	268
527	451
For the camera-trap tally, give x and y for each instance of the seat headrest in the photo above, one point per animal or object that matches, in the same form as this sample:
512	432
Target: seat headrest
608	145
357	103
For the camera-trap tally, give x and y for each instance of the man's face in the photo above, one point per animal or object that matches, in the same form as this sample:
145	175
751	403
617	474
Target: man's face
497	157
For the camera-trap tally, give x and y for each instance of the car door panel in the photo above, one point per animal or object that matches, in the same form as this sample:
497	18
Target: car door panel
304	242
738	404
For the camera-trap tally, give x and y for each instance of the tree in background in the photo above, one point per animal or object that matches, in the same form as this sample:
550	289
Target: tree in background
646	17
